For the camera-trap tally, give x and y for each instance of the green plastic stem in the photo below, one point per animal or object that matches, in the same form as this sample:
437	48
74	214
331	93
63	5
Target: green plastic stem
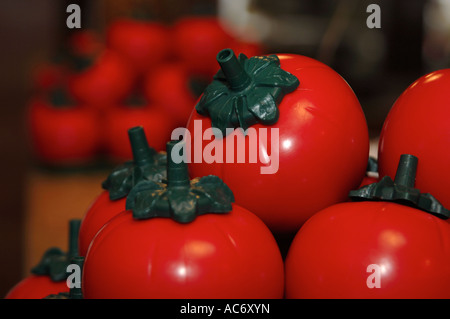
406	171
76	293
372	165
142	153
233	70
177	173
74	229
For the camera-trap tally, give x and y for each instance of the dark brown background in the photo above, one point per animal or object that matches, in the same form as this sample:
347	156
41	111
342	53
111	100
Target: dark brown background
31	30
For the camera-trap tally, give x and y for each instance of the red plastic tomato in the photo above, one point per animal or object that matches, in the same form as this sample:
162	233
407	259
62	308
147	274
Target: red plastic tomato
183	239
321	131
81	45
36	287
336	253
157	123
143	43
170	86
216	256
105	82
49	276
63	135
146	162
417	124
98	214
394	244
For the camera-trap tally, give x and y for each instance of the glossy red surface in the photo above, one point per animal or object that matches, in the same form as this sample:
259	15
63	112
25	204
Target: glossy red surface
230	255
323	150
143	43
417	125
330	255
98	214
106	82
63	135
36	287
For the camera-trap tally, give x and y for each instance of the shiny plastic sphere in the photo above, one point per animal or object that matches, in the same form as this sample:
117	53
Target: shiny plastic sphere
370	250
319	148
231	255
417	124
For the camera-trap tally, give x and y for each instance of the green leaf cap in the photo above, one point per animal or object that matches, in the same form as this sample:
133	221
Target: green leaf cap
55	261
178	197
74	292
147	164
401	190
245	91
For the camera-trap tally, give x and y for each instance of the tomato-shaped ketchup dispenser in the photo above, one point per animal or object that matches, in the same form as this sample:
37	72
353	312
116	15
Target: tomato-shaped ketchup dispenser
146	164
393	242
276	122
183	238
49	276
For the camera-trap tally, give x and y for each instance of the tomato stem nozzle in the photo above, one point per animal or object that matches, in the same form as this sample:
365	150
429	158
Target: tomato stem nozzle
406	171
233	70
401	190
177	170
142	153
74	229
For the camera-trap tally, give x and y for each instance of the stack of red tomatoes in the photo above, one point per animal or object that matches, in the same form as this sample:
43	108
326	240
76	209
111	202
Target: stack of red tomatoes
276	146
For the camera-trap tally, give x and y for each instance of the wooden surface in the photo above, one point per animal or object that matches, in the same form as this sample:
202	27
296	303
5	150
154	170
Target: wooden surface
52	199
